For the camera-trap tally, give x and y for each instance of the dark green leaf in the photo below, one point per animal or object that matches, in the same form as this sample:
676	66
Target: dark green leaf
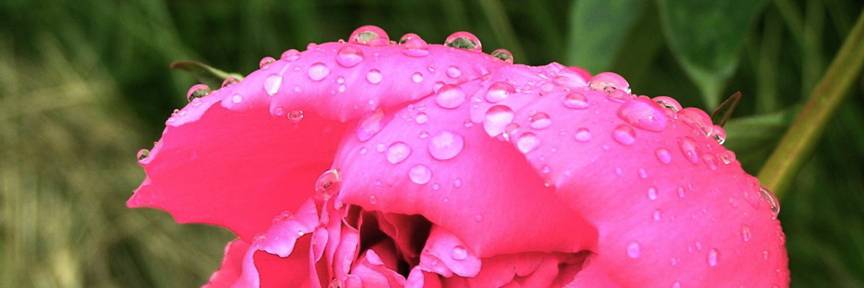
597	31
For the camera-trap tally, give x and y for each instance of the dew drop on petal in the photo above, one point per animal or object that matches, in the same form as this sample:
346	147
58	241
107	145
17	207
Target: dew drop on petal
540	120
713	256
745	233
527	142
398	152
421	118
668	103
290	55
696	118
499	91
318	71
454	72
236	98
328	183
503	55
450	97
463	40
663	155
643	114
272	84
688	148
374	76
197	91
446	145
652	193
459	253
370	35
295	116
414	45
370	126
142	154
771	199
582	135
657	216
719	134
606	80
497	118
349	56
575	100
420	174
417	77
265	62
624	134
633	250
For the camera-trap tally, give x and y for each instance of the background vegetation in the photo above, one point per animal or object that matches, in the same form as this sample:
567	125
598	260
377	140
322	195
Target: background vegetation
84	84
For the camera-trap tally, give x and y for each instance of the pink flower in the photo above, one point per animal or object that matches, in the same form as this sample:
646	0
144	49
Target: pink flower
375	164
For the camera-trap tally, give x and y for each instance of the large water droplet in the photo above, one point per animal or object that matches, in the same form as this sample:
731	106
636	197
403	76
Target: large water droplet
459	253
688	148
272	84
503	55
575	100
540	120
398	152
624	134
450	97
446	145
318	71
266	61
370	126
374	76
463	40
719	134
414	45
713	256
142	154
663	155
349	56
668	103
696	118
608	82
369	35
527	142
582	135
633	250
328	183
197	91
771	199
497	118
499	91
420	174
643	114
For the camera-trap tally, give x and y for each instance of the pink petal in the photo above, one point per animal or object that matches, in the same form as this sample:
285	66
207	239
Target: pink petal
230	269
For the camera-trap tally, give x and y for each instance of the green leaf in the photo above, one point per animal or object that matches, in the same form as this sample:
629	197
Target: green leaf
597	31
705	37
204	73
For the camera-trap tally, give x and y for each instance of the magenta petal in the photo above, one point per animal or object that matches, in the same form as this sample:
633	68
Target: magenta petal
231	268
446	255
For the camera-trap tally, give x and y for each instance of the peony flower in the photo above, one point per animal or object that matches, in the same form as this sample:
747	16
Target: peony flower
368	163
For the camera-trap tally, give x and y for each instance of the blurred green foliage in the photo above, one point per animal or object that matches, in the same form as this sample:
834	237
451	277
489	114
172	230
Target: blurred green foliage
84	84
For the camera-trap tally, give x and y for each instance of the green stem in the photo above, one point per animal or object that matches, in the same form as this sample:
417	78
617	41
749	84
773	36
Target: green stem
799	140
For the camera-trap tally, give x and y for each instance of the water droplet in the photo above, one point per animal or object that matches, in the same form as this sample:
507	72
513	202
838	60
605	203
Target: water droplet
398	152
142	154
417	77
688	148
582	135
719	134
527	142
450	97
265	62
295	116
727	157
236	98
445	145
414	45
370	126
696	118
643	114
663	155
608	82
454	72
496	120
499	91
369	35
657	216
272	84
745	233
374	76
668	103
624	134
318	71
633	250
230	80
459	253
540	120
290	55
197	91
681	192
349	56
420	174
463	40
772	201
652	193
713	257
503	55
457	183
575	100
328	183
421	118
